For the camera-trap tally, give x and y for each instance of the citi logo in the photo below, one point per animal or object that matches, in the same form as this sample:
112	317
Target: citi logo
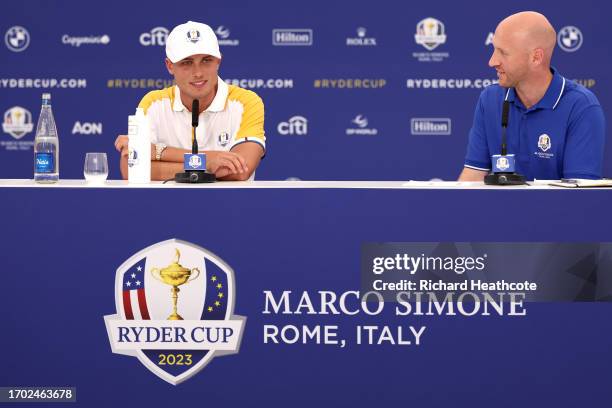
157	36
292	36
87	128
297	125
430	126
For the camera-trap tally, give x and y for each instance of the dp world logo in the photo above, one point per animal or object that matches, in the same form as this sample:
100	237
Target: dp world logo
360	121
222	32
175	305
17	39
569	39
223	35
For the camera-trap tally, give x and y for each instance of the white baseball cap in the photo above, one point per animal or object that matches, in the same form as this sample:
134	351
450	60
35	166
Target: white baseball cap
190	39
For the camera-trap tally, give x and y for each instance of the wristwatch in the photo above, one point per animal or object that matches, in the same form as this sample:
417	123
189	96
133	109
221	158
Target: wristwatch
159	149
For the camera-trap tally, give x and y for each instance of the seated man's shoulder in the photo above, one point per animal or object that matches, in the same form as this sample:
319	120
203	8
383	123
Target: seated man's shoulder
156	96
493	92
579	95
244	96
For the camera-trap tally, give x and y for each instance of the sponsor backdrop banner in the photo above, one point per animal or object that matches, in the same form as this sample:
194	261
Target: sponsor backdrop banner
352	90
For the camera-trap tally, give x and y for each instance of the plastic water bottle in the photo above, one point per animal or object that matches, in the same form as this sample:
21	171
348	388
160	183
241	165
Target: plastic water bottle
139	148
46	145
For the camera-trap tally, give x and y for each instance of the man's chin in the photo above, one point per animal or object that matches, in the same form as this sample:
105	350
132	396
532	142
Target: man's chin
505	83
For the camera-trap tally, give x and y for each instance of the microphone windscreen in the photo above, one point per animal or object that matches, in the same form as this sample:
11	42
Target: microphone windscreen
195	109
505	110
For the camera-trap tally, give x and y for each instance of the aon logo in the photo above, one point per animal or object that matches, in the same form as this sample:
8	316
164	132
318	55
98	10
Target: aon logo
87	128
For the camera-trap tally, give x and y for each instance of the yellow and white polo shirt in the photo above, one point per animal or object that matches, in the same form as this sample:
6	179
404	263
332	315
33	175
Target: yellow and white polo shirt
235	116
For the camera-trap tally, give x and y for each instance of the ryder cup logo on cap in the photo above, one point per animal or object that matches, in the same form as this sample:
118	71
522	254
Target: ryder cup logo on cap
175	310
190	39
193	36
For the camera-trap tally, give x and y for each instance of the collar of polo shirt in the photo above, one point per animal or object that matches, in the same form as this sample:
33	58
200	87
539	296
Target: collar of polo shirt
551	98
217	105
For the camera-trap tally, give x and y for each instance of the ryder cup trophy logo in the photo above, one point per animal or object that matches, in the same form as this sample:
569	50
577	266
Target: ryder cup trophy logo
544	142
503	163
175	304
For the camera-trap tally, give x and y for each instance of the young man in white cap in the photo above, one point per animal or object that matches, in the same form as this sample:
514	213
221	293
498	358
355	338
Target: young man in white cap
231	119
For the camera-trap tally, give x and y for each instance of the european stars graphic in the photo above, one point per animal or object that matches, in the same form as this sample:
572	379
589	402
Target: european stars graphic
220	295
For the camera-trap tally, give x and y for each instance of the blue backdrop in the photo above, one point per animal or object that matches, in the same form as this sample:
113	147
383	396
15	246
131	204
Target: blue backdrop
58	281
95	86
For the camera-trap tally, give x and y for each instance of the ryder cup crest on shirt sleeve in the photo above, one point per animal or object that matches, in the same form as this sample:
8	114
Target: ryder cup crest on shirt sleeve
190	39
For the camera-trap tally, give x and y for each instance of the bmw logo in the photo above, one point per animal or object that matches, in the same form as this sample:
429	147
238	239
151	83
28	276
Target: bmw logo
569	38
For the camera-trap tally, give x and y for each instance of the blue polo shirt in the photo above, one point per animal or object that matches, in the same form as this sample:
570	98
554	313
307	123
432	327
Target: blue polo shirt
562	136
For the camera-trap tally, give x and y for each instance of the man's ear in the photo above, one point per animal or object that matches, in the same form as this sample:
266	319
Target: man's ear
538	56
169	66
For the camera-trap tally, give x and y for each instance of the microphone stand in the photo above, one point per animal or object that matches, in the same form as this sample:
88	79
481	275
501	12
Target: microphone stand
194	176
502	178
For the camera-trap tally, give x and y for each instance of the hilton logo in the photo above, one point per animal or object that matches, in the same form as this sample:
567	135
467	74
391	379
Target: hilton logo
430	126
292	36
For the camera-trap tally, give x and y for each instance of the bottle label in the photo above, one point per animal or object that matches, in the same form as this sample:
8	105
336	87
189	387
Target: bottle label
133	158
44	163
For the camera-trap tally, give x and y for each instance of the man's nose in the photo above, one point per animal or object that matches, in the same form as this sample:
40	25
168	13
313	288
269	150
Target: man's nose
198	71
493	61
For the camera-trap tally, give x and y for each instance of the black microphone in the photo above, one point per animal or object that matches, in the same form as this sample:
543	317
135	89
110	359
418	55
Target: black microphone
503	173
195	114
504	123
190	175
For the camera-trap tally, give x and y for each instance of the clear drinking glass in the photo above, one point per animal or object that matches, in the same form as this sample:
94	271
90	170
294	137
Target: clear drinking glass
96	167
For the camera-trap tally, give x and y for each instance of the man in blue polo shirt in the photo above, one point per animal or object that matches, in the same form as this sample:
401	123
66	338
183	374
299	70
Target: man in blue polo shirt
556	128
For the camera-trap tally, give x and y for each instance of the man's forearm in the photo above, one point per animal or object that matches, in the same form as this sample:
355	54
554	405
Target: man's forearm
123	167
162	170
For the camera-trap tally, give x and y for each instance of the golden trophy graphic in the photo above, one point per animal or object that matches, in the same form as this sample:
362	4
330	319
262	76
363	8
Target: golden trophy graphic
175	275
